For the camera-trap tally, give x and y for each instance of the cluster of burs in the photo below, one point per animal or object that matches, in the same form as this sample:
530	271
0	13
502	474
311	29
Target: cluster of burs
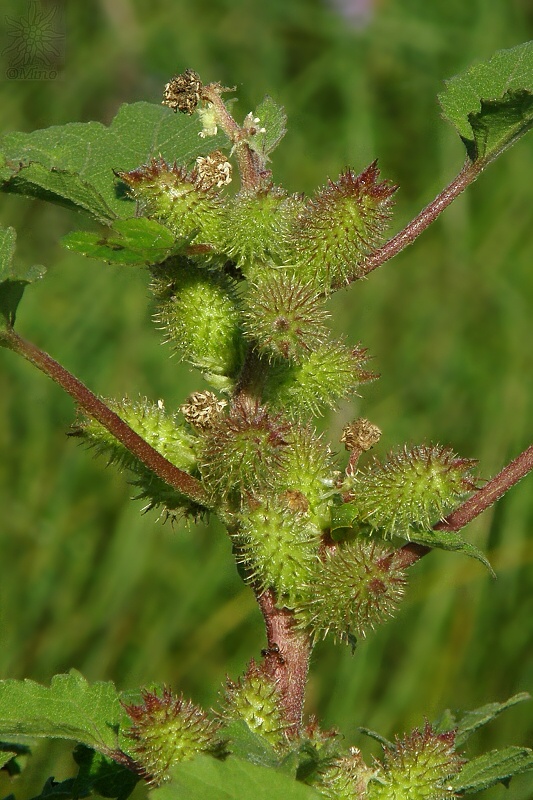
243	300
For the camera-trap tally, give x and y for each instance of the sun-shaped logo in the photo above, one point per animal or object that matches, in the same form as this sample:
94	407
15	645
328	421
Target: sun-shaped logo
35	43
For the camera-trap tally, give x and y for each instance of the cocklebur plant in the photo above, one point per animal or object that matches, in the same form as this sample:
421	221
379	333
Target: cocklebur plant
241	277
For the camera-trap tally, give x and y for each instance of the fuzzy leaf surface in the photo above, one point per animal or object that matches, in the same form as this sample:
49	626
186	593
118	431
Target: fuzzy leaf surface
70	708
450	540
468	723
232	779
5	757
73	164
13	279
491	105
273	119
133	241
498	766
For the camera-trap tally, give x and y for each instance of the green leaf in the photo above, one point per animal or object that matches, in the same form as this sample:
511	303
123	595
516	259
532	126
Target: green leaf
136	241
13	280
57	790
73	164
498	766
244	743
273	119
377	737
491	105
5	757
70	709
342	516
449	540
101	775
469	722
13	757
232	779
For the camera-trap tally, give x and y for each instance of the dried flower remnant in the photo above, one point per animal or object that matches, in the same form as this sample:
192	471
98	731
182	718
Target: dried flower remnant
203	409
182	93
212	171
358	437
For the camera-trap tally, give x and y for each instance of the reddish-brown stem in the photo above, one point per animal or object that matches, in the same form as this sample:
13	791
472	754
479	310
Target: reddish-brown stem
488	494
96	409
286	657
423	220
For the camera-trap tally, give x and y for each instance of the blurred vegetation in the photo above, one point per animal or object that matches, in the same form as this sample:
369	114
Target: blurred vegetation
87	580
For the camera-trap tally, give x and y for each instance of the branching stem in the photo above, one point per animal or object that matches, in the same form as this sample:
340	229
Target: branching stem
98	410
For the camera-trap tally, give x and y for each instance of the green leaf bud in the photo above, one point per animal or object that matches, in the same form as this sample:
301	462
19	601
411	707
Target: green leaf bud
328	374
278	549
167	730
340	226
355	587
255	699
412	489
283	316
256	228
186	203
163	432
243	452
418	767
200	313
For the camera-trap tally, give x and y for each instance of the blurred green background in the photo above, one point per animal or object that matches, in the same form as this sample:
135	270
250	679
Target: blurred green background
86	580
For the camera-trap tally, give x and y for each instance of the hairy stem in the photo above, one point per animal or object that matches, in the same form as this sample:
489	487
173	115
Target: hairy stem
286	657
423	220
492	491
96	409
251	379
246	159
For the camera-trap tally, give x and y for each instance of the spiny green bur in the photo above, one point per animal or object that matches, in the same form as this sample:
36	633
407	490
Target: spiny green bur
417	767
284	317
346	778
353	588
200	314
177	198
328	374
167	730
412	489
278	548
340	225
257	229
164	432
255	699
